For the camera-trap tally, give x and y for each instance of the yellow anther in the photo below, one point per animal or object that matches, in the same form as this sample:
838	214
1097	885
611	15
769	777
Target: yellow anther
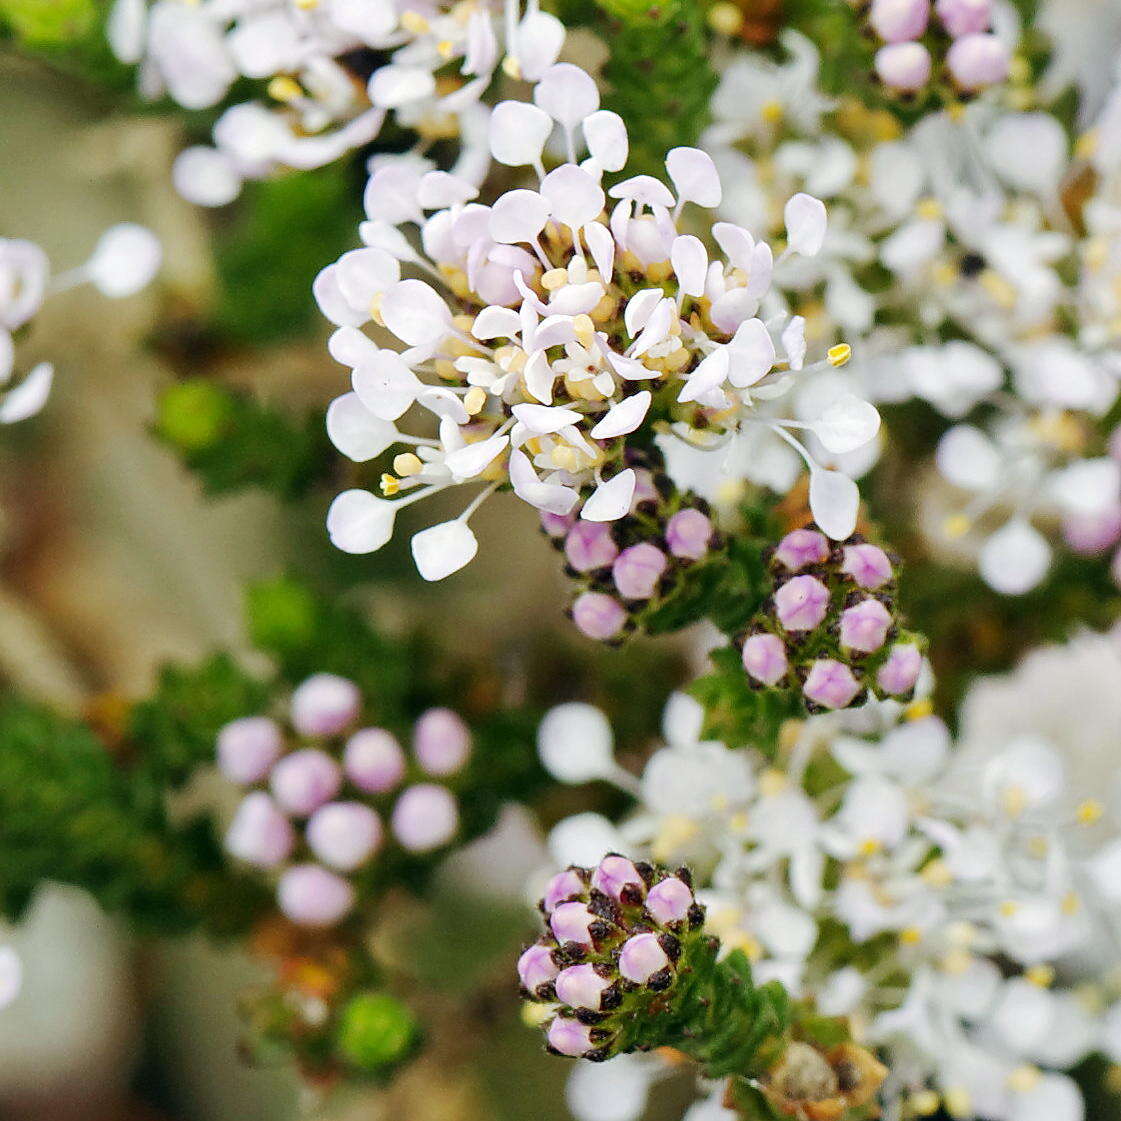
407	464
444	48
375	309
945	275
771	782
1042	976
929	209
998	288
772	111
956	525
725	18
1071	904
1014	800
1089	812
956	112
958	1102
919	710
585	329
511	67
937	873
1038	846
719	802
307	5
839	355
961	933
283	88
474	400
554	279
957	962
1113	1079
869	847
1024	1079
739	822
910	936
390	485
924	1103
1008	908
566	458
677	831
1086	145
415	22
1019	69
659	271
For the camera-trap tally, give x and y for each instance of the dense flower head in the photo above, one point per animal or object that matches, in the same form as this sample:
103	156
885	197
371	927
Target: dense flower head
330	72
615	936
327	796
830	627
926	45
553	324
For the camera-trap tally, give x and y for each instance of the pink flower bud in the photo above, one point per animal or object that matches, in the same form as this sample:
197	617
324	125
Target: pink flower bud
864	626
1091	534
312	896
801	548
569	922
904	67
830	684
259	833
977	61
637	570
901	670
764	658
964	17
589	545
580	986
248	748
688	534
303	781
896	21
556	525
615	874
425	817
325	705
441	741
536	967
564	885
373	760
598	615
344	835
569	1037
642	957
801	603
868	566
669	901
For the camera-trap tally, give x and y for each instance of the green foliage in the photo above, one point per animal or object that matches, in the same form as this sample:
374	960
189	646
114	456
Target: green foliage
232	440
738	714
40	24
375	1032
70	813
287	229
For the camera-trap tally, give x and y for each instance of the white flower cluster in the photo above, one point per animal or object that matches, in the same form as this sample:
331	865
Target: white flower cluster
955	264
332	71
960	903
125	259
553	323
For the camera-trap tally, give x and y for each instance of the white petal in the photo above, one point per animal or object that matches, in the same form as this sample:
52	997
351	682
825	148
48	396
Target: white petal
518	216
644	189
611	500
438	189
602	246
805	224
528	487
393	86
11	976
518	133
834	502
846	424
690	263
794	342
606	136
385	384
391	195
125	30
1088	486
29	396
736	243
711	371
496	323
732	309
624	417
443	549
125	259
967	458
364	274
469	461
360	522
538	41
206	176
574	196
544	419
575	743
752	353
1015	558
694	175
639	309
567	94
416	313
355	431
332	303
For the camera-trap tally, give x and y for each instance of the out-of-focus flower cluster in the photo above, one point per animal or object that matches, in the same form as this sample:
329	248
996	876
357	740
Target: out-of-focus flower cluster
329	73
125	259
330	801
548	331
958	902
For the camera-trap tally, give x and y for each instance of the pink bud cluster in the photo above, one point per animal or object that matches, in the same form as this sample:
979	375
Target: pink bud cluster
830	626
917	35
624	569
615	937
325	795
